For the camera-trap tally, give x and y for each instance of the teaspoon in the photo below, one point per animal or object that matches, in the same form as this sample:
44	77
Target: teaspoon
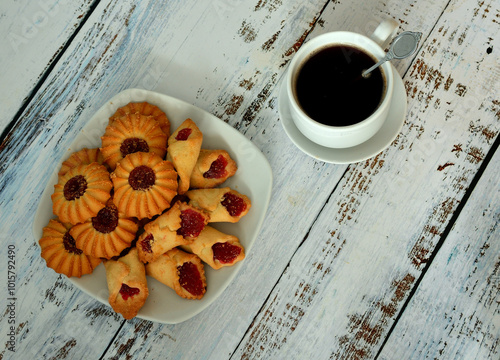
403	45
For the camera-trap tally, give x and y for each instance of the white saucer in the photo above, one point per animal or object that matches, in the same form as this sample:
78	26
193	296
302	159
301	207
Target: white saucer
382	139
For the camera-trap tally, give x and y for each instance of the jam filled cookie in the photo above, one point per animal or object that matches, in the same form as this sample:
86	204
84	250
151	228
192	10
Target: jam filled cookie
180	271
147	109
61	254
130	134
212	168
222	204
127	284
144	185
216	248
183	149
84	156
105	235
81	193
160	235
180	225
193	221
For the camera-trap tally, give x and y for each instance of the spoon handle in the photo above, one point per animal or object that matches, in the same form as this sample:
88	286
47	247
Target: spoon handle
387	57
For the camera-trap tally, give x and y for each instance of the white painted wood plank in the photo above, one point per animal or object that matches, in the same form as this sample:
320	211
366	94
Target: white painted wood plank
33	34
455	313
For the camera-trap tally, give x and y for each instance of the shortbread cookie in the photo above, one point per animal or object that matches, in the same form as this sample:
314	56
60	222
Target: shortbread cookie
212	168
81	192
180	225
82	157
130	134
222	204
216	248
160	235
144	185
127	284
61	253
144	108
105	235
180	271
183	149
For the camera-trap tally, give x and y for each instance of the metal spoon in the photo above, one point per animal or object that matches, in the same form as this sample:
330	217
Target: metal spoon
403	45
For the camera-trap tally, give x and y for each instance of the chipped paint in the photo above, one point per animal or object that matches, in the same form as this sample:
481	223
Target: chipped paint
259	102
268	45
244	97
363	333
247	32
444	166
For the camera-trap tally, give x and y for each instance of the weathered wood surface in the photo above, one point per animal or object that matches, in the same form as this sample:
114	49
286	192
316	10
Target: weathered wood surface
440	321
343	247
33	35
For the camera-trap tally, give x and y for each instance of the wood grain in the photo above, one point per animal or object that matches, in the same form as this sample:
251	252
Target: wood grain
365	226
343	246
105	55
439	322
34	36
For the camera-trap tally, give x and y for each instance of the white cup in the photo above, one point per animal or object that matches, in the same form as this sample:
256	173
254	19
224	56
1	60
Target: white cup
350	135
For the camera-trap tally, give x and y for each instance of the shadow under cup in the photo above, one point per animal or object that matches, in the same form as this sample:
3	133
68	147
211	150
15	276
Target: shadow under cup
332	104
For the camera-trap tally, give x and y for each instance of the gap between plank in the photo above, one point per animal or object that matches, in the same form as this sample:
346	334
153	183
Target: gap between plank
44	76
441	241
113	339
308	231
288	264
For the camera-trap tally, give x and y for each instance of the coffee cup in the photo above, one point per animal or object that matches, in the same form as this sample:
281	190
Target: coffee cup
330	102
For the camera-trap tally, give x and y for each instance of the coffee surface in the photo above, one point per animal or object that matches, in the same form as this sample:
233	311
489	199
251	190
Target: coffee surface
330	89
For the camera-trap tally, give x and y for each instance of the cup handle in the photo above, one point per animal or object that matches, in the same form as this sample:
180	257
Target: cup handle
384	33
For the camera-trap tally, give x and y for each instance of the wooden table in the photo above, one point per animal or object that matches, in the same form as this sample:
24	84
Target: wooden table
394	257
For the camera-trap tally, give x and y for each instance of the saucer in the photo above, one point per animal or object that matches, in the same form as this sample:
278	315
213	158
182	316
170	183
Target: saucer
371	147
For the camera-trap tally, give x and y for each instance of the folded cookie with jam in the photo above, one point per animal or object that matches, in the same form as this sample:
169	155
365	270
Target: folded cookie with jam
180	225
181	271
183	150
213	167
127	284
222	204
216	248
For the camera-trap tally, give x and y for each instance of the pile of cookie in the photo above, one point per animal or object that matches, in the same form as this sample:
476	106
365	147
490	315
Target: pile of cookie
142	204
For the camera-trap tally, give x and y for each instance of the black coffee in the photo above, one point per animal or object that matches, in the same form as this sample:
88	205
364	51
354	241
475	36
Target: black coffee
330	89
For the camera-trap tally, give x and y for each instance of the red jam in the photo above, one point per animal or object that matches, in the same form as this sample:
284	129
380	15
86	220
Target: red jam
190	278
217	169
146	243
225	252
106	220
234	204
142	178
70	244
133	145
183	134
192	223
75	187
127	291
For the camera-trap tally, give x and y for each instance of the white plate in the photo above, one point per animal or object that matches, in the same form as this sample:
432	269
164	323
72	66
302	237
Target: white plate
382	139
253	178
